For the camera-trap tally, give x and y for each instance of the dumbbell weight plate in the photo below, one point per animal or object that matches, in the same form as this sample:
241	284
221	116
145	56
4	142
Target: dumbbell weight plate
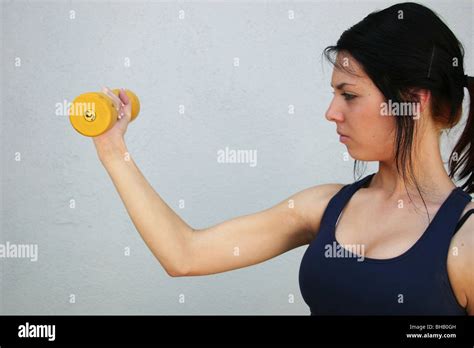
92	114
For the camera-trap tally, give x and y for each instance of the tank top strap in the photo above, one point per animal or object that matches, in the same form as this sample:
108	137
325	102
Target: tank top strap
443	225
463	219
340	199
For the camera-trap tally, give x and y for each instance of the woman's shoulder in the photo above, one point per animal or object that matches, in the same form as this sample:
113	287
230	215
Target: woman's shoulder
461	260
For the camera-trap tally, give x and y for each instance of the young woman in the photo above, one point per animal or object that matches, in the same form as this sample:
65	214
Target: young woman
398	82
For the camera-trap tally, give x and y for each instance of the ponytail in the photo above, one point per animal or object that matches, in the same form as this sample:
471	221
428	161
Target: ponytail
464	149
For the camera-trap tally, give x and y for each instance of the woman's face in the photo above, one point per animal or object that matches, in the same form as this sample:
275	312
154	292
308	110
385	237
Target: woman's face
356	108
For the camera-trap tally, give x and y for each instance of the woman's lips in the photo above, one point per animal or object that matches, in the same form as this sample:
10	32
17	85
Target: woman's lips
342	137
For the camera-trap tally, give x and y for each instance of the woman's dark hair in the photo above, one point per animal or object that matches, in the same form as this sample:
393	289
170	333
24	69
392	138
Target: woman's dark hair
405	48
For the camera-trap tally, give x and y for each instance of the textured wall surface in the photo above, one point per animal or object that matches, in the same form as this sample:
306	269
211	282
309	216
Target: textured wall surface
56	194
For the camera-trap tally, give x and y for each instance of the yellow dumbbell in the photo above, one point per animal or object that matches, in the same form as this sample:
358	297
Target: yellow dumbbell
94	113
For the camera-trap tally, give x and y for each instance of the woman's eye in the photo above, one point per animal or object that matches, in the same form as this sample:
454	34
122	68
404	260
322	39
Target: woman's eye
348	96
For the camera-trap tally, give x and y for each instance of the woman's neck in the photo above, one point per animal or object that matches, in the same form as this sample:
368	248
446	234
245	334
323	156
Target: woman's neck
433	181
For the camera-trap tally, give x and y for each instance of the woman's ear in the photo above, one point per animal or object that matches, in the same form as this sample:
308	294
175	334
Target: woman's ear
424	98
421	97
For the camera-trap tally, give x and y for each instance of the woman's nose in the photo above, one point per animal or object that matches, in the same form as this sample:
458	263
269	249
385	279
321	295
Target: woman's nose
333	114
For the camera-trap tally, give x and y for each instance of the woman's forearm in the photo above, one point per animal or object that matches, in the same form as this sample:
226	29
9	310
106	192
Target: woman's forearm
164	232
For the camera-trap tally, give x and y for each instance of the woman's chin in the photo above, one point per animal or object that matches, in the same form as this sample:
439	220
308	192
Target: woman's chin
360	156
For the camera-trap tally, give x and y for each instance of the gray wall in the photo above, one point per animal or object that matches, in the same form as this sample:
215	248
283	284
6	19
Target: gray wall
173	61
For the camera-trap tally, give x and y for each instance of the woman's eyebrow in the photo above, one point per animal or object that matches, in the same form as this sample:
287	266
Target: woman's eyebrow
342	84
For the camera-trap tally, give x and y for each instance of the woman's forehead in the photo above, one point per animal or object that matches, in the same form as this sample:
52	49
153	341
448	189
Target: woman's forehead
348	70
341	76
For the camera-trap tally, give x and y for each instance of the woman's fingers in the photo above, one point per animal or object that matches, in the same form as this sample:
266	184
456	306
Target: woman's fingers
123	96
116	100
127	104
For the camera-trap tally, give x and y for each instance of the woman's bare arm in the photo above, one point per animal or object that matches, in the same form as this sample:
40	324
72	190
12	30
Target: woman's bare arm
235	243
250	239
164	232
232	244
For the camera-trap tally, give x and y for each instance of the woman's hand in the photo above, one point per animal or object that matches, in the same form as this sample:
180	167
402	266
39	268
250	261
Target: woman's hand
114	137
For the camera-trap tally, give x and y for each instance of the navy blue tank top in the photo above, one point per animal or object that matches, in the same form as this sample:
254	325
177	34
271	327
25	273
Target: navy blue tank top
336	280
